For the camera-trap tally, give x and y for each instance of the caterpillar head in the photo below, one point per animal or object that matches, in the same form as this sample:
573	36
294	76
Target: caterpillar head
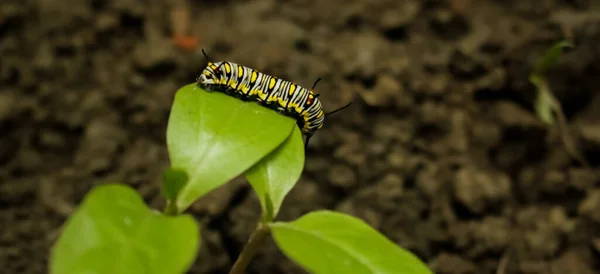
210	75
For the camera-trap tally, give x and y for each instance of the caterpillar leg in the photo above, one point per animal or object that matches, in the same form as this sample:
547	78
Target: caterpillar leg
281	110
244	98
206	88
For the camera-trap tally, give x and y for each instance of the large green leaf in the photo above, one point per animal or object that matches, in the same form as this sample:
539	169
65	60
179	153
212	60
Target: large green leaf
276	174
331	242
115	232
215	137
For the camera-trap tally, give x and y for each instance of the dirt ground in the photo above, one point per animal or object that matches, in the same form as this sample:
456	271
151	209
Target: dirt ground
442	151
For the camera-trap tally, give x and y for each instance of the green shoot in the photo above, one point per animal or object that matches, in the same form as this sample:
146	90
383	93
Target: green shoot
547	107
211	139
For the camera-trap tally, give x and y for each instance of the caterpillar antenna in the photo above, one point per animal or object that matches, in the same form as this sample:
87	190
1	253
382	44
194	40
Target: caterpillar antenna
336	110
315	83
206	56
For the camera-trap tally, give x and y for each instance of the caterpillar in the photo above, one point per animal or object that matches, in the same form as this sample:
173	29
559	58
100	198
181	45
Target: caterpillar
283	96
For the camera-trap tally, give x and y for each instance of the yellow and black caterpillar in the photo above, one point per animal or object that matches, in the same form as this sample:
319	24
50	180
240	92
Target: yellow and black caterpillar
277	94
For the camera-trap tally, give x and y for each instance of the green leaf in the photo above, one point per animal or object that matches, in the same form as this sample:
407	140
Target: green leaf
544	103
275	175
331	242
113	231
551	56
215	137
173	181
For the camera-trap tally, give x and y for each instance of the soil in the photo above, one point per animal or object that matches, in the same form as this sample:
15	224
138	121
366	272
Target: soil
442	150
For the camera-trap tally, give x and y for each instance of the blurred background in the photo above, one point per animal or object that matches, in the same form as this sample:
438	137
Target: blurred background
442	150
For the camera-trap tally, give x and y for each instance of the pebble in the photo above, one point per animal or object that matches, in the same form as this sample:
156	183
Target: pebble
7	105
100	142
590	135
477	189
590	206
451	263
342	176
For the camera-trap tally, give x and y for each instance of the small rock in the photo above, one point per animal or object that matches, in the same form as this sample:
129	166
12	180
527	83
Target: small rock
10	71
560	221
570	262
428	180
449	25
52	139
106	21
317	164
458	139
149	55
17	192
387	128
541	237
436	84
8	149
141	154
130	7
29	160
398	157
485	133
510	114
582	179
99	145
342	176
493	233
532	9
478	189
216	201
527	183
554	182
210	258
304	197
466	67
246	215
596	244
394	21
372	202
494	80
371	216
453	264
372	172
590	135
590	206
376	148
45	59
361	59
7	105
392	186
400	16
533	266
387	92
435	114
137	80
543	242
352	153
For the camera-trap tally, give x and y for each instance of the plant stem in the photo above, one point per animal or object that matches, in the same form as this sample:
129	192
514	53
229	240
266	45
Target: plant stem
171	208
250	249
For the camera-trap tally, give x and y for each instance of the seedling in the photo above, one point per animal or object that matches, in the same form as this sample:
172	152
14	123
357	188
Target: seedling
213	138
547	107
